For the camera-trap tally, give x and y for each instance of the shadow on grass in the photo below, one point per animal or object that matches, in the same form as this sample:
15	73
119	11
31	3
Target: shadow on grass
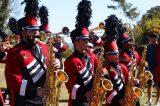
63	101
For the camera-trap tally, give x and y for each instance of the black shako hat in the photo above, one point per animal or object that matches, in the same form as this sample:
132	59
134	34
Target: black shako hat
82	21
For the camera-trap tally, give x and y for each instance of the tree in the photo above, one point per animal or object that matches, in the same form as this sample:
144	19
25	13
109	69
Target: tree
4	12
128	10
150	20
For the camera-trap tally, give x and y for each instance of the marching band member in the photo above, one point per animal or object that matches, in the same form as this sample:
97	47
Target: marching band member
26	62
81	64
95	39
13	27
128	55
116	72
113	34
94	42
3	55
59	45
80	67
127	46
4	46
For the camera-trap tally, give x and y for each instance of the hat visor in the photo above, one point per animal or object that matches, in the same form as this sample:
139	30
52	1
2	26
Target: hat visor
127	40
46	31
31	27
84	38
113	52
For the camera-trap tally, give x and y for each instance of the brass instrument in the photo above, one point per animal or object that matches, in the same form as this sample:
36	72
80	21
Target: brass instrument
54	78
12	40
147	76
107	84
97	84
142	74
100	26
44	36
141	69
132	93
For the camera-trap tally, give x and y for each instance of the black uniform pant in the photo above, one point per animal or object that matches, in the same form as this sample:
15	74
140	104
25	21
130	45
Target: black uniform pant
23	101
79	103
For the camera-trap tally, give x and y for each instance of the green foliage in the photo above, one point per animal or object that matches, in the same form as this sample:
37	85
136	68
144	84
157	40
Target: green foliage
150	20
152	23
67	53
151	14
128	10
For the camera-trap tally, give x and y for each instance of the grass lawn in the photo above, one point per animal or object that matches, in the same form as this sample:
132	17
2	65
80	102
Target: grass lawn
64	92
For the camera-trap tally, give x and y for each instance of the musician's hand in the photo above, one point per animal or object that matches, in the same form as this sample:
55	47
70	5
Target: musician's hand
135	81
105	71
88	95
57	63
5	46
42	91
91	33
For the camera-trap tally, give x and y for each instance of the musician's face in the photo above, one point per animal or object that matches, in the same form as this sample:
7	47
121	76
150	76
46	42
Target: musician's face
29	35
81	45
113	58
128	45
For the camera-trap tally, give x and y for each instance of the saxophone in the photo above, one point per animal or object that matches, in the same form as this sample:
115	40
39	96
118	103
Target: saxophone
54	78
132	93
142	74
98	83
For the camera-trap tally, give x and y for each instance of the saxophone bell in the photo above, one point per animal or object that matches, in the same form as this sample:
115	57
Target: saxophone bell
148	75
138	92
107	84
62	76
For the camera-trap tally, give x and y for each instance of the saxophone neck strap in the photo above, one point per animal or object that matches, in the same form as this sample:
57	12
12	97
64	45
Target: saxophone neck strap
38	59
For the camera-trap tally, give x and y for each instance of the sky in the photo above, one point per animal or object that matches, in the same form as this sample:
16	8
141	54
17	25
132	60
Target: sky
63	12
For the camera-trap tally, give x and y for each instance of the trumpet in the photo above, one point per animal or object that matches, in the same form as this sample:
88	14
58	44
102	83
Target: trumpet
44	36
13	40
65	31
100	26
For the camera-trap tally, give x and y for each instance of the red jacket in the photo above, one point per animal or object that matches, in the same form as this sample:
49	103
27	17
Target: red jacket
137	57
21	70
118	77
76	69
126	58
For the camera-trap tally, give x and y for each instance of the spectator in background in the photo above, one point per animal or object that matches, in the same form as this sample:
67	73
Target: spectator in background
151	57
